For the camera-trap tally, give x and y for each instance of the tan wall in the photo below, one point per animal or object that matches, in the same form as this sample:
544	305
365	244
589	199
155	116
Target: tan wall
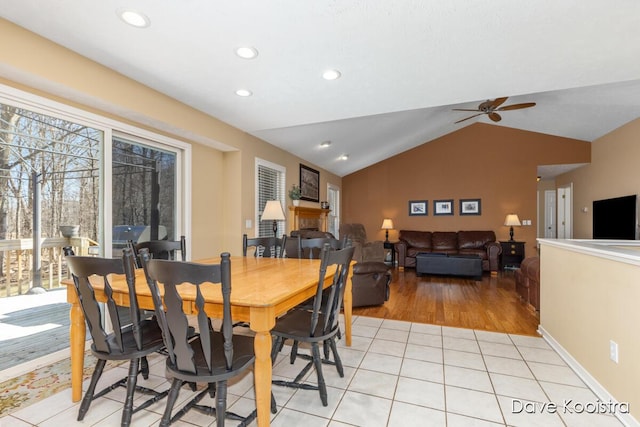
613	172
492	163
603	296
223	156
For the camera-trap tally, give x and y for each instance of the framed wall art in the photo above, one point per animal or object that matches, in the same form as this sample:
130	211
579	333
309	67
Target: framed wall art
470	207
309	184
418	207
443	207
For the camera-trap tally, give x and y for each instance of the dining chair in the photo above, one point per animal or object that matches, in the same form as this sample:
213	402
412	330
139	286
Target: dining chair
320	325
311	248
130	338
213	357
160	249
266	247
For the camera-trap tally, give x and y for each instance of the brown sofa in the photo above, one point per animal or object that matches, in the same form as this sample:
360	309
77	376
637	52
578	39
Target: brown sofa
528	281
480	243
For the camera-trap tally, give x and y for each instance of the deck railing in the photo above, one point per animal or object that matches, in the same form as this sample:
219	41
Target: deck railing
16	262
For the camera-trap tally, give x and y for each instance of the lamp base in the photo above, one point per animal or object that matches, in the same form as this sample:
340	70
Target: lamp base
275	228
511	234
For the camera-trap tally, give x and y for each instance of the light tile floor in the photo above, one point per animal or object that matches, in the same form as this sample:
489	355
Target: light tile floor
396	374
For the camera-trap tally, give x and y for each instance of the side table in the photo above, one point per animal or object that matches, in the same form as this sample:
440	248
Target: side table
512	254
392	247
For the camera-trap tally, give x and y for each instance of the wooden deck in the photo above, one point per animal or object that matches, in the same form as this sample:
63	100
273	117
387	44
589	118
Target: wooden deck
32	326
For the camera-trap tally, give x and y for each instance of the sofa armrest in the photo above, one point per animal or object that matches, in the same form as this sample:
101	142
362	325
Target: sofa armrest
494	249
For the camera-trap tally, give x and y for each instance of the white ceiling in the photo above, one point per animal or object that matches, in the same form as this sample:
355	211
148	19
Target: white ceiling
404	64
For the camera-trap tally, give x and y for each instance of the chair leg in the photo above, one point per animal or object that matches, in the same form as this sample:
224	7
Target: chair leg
317	362
132	379
88	397
221	403
171	400
294	352
144	367
336	357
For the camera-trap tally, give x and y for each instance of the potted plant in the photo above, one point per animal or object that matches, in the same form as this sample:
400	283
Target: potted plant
295	194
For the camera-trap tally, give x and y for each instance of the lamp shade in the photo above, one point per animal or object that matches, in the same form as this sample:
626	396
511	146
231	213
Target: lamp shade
387	224
273	211
512	220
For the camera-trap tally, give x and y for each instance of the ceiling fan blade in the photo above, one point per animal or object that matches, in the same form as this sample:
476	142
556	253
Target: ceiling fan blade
498	102
495	116
470	117
464	109
517	106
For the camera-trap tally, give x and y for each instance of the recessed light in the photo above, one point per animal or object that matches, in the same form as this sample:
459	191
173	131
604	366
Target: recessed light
331	75
325	144
244	92
247	52
134	18
343	157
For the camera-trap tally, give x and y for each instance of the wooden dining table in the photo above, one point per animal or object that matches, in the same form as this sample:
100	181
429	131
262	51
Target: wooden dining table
261	290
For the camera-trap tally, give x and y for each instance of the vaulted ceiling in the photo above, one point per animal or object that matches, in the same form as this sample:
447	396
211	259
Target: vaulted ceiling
404	65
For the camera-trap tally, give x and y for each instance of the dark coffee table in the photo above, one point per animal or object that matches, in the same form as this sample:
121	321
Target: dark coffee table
452	265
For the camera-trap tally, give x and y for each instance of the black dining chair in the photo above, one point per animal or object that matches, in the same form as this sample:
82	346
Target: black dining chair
213	357
311	248
160	249
319	325
132	337
266	247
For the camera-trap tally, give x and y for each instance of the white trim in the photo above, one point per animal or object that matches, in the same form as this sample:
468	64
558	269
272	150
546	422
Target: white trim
602	393
613	250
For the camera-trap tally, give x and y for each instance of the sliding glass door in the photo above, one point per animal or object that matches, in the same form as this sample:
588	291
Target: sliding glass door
144	192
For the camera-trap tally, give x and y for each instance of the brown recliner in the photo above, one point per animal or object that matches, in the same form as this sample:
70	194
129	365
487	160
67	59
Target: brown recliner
528	281
371	276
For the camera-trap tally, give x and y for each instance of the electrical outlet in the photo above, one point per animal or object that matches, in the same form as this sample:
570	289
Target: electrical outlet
248	223
613	351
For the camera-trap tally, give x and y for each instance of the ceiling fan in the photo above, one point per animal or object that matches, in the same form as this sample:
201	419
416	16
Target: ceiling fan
490	108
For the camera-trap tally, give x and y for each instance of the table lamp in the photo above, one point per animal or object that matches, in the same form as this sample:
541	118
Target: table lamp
273	211
387	224
512	220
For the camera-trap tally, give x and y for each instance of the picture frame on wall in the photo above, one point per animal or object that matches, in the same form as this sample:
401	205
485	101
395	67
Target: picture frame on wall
418	207
443	207
309	184
470	207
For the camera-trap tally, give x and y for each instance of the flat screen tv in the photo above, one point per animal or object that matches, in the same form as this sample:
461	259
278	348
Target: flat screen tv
615	218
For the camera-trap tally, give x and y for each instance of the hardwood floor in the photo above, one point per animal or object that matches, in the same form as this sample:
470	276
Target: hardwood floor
491	304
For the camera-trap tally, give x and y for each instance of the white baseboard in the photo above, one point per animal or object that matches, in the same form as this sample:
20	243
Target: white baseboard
602	393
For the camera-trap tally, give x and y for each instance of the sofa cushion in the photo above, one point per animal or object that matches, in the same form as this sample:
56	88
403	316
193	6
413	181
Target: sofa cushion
444	241
416	239
475	239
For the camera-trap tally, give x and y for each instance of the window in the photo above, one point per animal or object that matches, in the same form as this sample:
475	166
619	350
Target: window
68	147
270	179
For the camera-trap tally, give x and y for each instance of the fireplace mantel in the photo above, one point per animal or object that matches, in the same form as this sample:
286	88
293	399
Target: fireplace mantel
303	217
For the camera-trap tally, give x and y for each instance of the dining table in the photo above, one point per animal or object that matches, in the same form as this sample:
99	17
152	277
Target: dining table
261	290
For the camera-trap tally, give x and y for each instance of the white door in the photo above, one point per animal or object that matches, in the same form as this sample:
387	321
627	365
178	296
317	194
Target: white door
550	214
333	222
565	212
